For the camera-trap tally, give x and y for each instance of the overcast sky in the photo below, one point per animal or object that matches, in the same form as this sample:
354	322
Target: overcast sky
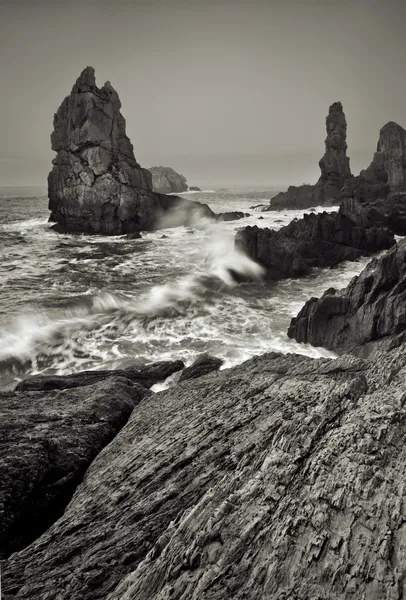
224	91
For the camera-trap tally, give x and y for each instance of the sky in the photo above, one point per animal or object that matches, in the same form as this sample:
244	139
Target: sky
229	92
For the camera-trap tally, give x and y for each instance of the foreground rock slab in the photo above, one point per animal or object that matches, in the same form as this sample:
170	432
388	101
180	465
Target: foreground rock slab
145	375
365	317
281	478
48	441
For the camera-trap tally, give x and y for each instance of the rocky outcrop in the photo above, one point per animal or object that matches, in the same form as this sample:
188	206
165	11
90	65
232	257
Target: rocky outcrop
280	478
366	317
145	375
96	186
317	240
232	216
202	365
48	440
383	182
194	188
166	180
334	166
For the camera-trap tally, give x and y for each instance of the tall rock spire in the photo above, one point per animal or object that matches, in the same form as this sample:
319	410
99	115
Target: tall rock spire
335	165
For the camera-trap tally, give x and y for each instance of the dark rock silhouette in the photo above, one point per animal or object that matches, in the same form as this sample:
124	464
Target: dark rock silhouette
334	166
166	180
202	365
317	240
194	188
365	317
280	478
145	375
96	186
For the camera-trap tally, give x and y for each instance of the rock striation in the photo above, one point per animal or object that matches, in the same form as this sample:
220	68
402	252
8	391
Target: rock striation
96	185
364	318
317	240
334	166
280	478
166	180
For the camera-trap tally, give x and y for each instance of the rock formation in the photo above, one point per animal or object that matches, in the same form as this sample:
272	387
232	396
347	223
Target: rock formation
317	240
202	365
366	317
96	185
166	181
194	188
280	478
334	166
386	175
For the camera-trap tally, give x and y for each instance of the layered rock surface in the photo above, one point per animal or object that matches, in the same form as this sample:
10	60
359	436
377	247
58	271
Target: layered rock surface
334	166
317	240
280	478
166	180
48	440
366	317
96	185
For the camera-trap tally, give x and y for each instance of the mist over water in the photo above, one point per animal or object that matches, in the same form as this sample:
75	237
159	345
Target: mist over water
70	303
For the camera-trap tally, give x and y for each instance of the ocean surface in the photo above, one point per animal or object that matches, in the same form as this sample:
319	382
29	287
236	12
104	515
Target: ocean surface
70	303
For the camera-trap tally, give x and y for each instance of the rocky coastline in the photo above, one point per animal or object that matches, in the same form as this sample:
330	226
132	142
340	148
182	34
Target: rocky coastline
166	180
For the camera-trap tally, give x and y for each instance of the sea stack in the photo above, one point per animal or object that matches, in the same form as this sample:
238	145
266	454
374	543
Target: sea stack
334	166
96	185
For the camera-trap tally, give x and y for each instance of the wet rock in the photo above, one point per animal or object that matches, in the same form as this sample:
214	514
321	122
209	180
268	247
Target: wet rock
365	317
231	216
166	180
96	185
202	365
280	478
260	217
48	441
194	188
317	240
134	236
145	375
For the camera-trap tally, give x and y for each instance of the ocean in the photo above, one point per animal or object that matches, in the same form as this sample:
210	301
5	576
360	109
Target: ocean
70	303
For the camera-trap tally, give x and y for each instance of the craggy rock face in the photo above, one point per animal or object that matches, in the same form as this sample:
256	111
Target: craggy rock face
334	166
367	315
281	478
322	240
166	180
96	185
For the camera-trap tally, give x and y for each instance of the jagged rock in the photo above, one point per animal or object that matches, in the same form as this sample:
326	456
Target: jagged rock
134	236
387	171
145	375
96	186
363	318
202	365
194	188
280	478
48	440
166	180
317	240
334	166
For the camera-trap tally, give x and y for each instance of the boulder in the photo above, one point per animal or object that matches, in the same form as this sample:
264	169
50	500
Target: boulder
48	441
166	180
365	317
96	185
280	478
194	188
202	365
234	215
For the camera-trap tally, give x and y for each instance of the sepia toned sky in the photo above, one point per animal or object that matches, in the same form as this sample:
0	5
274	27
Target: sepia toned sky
225	91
